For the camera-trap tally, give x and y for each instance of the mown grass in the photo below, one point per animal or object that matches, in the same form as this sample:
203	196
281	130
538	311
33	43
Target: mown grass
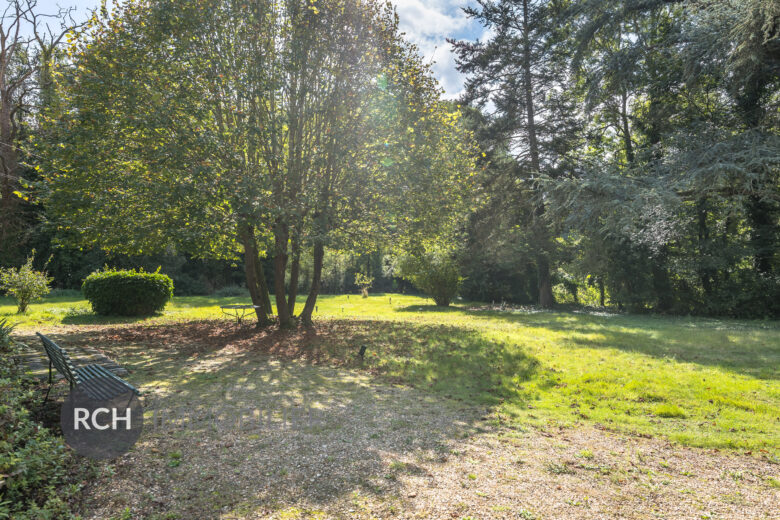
701	382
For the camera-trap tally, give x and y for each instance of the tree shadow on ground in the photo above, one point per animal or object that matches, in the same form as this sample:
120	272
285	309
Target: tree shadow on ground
722	343
275	429
90	318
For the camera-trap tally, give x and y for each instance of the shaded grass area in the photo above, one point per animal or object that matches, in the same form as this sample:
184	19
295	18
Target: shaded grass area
248	435
373	447
701	382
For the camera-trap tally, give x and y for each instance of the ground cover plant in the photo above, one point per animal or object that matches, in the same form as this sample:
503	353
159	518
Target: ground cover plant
38	476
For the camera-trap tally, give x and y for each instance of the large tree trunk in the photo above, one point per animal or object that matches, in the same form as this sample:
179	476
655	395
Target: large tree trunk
255	279
761	214
602	295
9	166
762	217
662	285
706	273
262	286
281	236
316	279
295	267
627	142
546	298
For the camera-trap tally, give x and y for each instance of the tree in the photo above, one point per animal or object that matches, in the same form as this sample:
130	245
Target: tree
28	41
364	282
517	71
657	136
217	127
678	209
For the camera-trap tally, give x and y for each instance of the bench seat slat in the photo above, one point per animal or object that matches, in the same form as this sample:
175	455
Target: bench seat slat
109	377
92	390
60	359
103	382
94	375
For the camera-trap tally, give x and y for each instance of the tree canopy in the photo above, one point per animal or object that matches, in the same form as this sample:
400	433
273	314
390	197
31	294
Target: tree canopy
657	141
264	127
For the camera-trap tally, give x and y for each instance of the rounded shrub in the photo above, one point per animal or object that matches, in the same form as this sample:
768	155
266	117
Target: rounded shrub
435	273
127	293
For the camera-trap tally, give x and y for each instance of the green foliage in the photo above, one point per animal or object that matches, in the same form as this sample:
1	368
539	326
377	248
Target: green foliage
34	463
127	293
25	284
435	273
660	176
5	336
230	291
243	167
364	282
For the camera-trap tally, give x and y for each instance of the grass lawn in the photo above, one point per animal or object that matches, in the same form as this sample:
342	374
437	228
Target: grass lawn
700	382
255	428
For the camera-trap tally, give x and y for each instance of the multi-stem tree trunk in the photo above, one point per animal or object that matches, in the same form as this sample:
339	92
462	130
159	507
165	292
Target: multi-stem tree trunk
9	166
255	277
281	237
27	44
546	298
295	267
316	279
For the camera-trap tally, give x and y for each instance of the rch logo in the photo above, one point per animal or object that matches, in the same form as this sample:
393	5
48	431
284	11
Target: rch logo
101	428
82	414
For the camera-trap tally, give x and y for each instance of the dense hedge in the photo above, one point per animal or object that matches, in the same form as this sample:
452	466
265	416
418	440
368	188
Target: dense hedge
127	293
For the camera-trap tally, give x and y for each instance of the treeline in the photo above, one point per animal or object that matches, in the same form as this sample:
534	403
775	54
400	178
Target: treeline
616	153
264	134
633	151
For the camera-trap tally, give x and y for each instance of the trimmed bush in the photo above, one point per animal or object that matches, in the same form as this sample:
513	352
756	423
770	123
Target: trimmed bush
127	293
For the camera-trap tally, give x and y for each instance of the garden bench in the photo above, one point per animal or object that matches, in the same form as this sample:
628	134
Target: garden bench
94	380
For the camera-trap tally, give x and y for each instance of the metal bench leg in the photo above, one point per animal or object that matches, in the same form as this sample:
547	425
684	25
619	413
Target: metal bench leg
50	384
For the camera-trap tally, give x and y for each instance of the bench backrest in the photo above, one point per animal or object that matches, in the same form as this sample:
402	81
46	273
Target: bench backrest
60	359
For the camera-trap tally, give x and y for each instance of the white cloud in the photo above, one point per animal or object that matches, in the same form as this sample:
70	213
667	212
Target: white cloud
428	24
424	20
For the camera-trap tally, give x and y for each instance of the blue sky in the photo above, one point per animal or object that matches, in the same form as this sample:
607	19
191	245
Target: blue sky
427	23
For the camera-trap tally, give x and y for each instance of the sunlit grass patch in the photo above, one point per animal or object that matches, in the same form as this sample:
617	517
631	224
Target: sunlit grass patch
669	410
702	382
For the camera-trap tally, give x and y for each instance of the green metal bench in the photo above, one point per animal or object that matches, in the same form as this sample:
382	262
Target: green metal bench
94	380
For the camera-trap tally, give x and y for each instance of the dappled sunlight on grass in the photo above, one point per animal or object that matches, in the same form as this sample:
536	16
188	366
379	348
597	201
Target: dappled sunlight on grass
705	382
